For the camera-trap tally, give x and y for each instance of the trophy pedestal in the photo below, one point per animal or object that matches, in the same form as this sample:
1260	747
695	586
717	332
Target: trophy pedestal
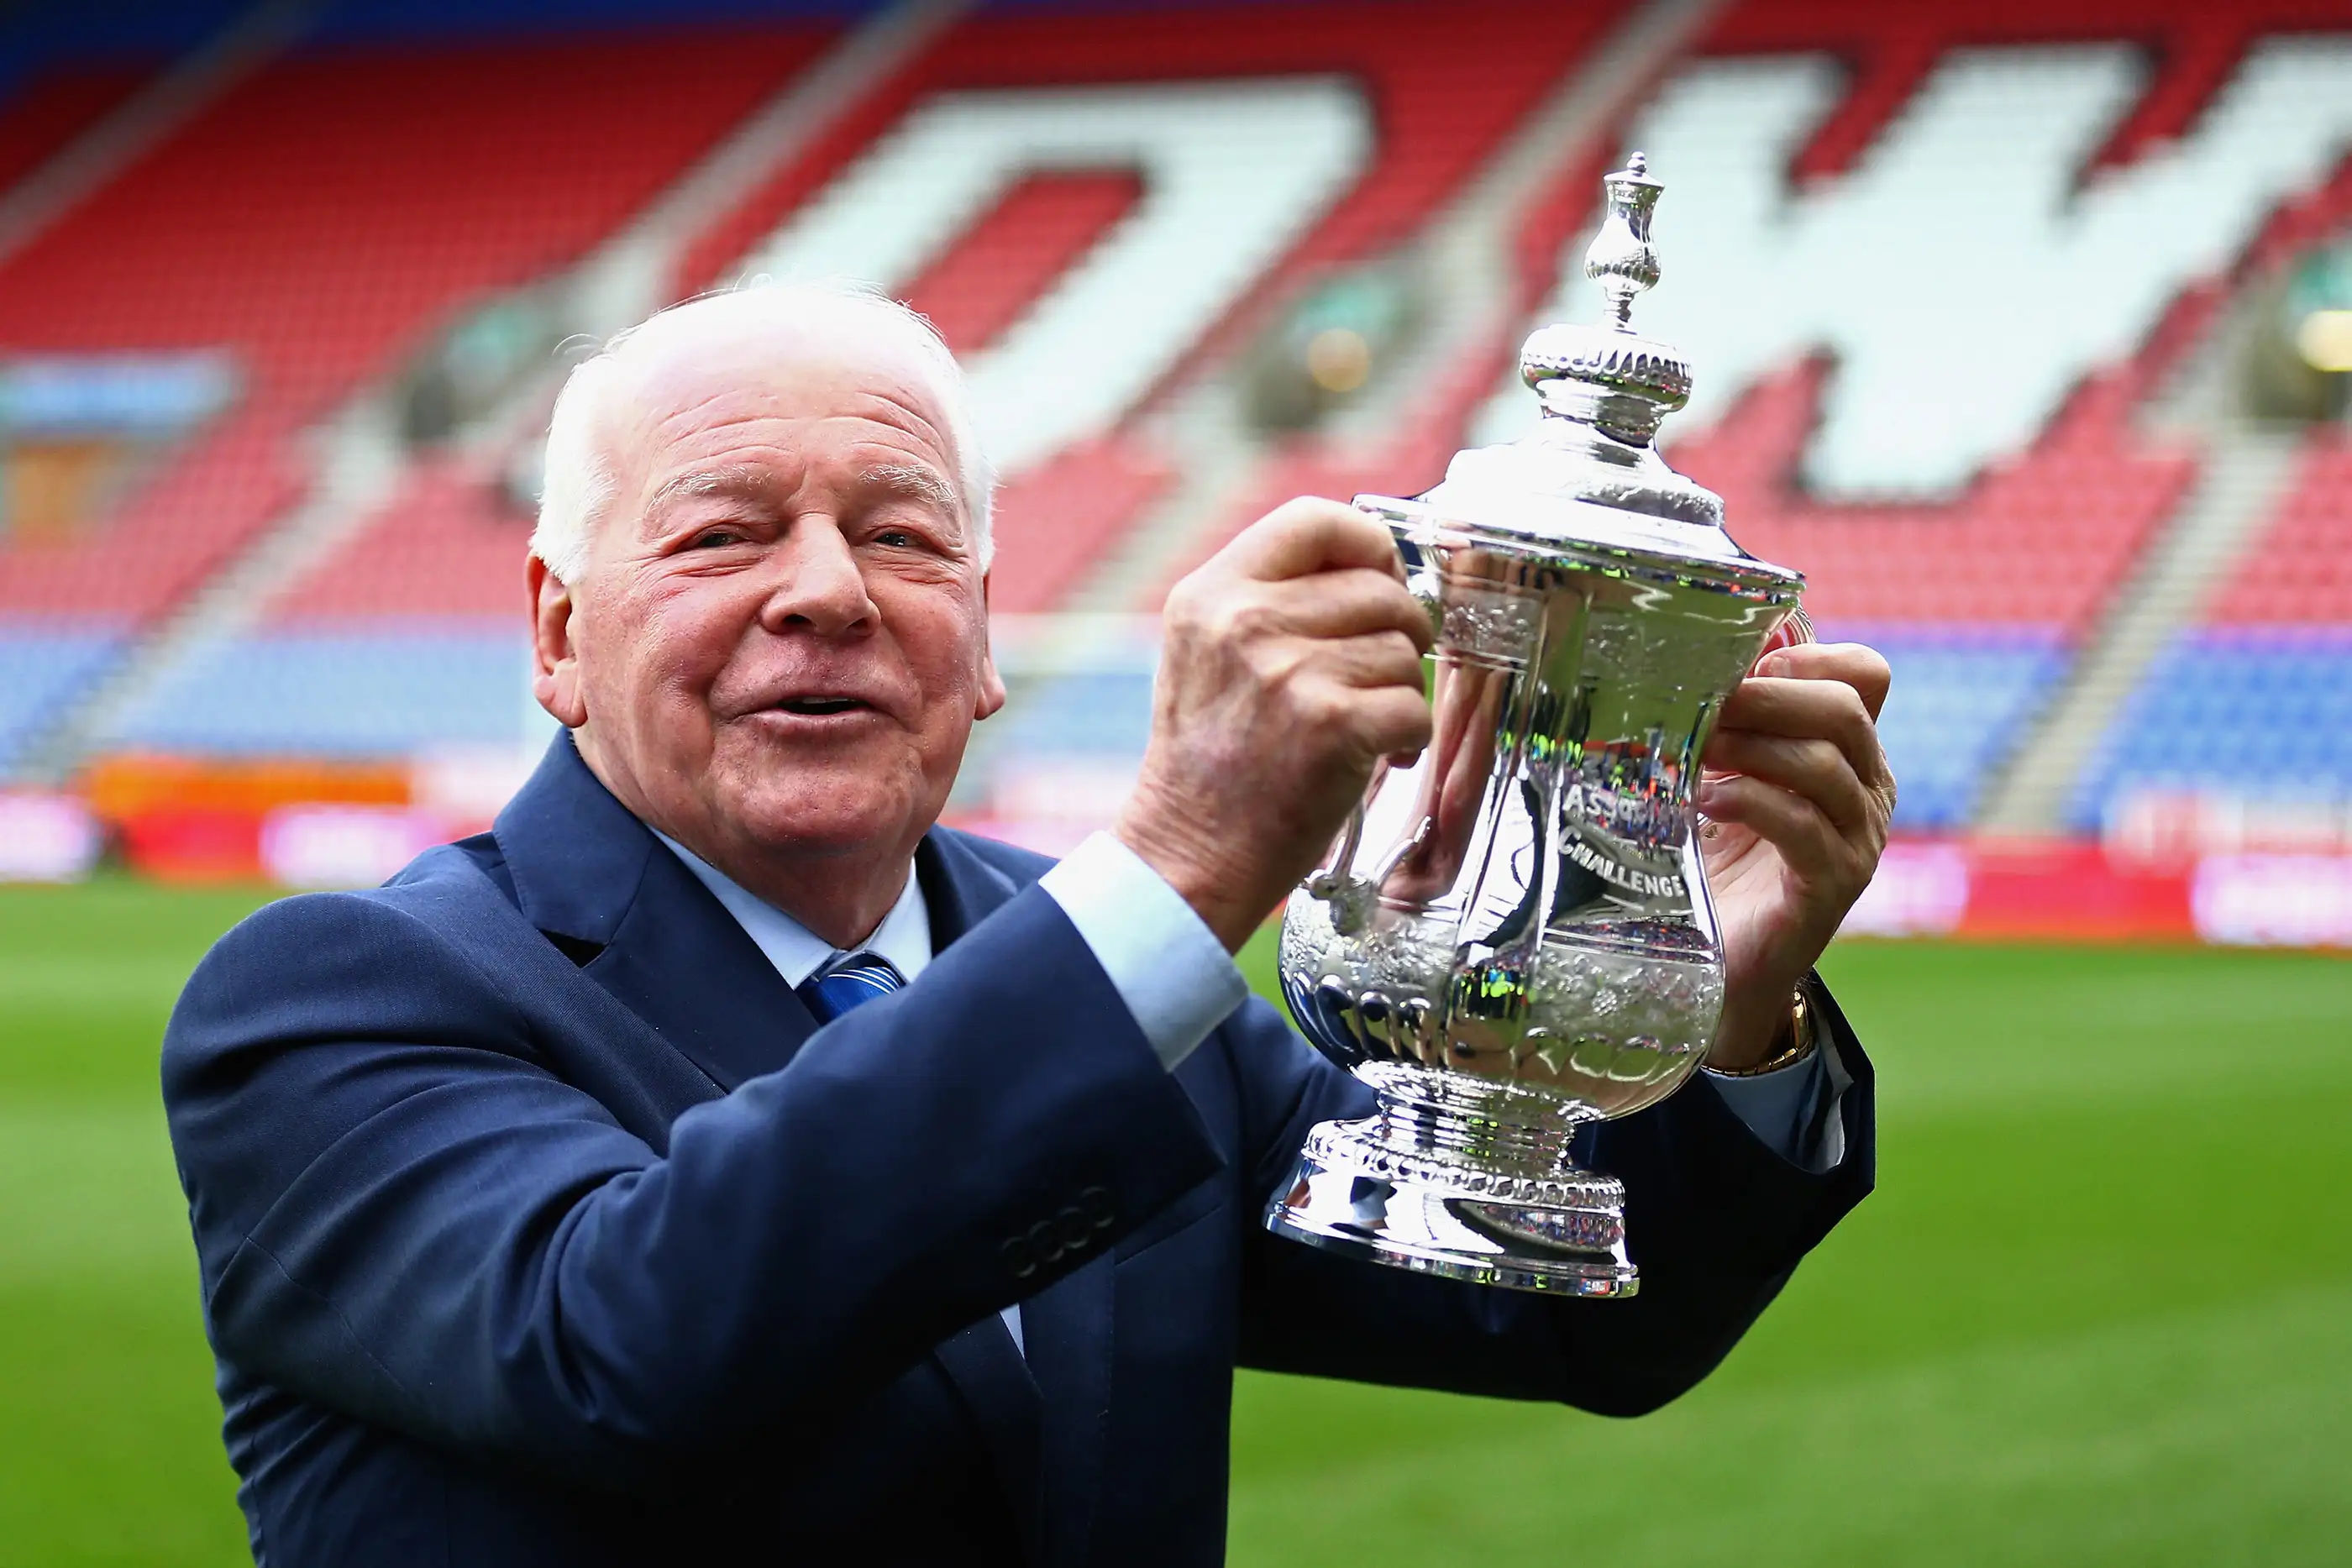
1502	1205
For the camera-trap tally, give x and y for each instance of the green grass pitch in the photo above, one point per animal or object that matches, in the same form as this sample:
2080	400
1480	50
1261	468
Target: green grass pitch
2099	1311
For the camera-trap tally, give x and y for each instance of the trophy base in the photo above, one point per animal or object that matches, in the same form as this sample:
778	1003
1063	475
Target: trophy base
1354	1193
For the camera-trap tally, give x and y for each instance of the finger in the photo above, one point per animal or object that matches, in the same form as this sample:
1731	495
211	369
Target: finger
1352	603
1804	709
1791	824
1858	666
1392	721
1816	770
1311	535
1378	658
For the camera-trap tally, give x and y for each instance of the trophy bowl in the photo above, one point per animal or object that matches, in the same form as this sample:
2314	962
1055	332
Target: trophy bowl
1512	937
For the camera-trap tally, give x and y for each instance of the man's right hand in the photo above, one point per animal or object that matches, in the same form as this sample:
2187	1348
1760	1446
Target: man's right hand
1290	665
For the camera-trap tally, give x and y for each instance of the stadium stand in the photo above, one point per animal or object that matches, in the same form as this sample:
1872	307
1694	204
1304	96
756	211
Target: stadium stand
310	221
61	67
1442	85
41	664
1933	416
363	692
2256	702
446	547
45	115
1987	233
1950	252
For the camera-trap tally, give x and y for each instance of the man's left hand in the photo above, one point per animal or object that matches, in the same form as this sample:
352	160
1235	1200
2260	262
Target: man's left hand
1798	796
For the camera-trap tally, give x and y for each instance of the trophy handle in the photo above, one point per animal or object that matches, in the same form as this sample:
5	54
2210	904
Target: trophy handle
1349	896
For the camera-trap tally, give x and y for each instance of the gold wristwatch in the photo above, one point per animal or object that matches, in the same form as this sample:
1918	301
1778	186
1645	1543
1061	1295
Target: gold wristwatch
1803	1039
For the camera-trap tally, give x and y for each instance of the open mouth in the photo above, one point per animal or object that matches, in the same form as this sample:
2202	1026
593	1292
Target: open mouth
822	706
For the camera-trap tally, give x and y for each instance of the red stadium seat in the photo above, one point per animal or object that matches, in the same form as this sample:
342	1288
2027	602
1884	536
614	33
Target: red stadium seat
321	221
2300	571
40	121
1446	85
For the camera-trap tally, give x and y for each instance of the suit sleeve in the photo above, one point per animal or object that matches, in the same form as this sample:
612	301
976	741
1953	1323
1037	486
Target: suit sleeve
1716	1220
402	1213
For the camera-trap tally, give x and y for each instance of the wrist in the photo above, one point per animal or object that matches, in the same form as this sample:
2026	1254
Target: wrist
1758	1035
1195	874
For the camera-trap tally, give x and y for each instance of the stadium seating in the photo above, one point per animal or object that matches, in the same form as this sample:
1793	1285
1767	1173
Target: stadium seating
363	692
1950	456
309	221
61	66
44	116
1930	263
1041	225
1444	86
41	666
1444	90
1933	416
2256	702
1963	693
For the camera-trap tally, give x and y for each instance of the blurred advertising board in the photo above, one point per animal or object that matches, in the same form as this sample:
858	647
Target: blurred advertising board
47	837
344	846
298	822
2172	867
2290	901
1921	890
2067	890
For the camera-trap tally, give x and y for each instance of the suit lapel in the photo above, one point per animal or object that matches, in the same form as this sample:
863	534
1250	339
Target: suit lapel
681	963
593	878
591	875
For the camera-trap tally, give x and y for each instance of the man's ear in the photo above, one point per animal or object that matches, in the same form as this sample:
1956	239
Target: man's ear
555	663
991	685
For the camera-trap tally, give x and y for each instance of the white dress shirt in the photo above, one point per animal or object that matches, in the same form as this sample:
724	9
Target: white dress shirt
1180	983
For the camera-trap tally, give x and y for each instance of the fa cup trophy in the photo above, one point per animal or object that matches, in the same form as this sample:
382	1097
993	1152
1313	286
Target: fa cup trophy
1512	937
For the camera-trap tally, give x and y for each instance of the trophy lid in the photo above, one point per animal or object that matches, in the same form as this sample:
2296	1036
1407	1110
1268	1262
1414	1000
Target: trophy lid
1589	471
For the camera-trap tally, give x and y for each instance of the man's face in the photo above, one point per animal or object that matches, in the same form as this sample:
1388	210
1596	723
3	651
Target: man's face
779	644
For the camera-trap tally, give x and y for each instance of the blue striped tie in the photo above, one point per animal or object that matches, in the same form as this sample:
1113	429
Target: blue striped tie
852	983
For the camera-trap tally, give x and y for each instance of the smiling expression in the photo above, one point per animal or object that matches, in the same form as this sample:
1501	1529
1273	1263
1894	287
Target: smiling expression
780	643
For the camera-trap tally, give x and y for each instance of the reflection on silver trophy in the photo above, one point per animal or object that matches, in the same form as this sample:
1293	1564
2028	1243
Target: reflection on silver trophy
1513	935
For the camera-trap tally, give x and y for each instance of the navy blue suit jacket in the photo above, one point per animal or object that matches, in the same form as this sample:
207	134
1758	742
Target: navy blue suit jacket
539	1223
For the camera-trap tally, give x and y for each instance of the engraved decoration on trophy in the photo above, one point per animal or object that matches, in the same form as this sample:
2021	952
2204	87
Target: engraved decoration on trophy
1512	937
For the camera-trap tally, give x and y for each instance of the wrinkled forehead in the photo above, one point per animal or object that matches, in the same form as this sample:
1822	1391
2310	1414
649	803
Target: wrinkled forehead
673	393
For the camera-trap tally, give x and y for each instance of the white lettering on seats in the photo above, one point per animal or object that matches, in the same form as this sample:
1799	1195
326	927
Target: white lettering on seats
1966	273
1233	173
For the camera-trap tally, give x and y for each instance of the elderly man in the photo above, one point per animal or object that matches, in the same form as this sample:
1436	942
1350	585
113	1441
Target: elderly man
718	1160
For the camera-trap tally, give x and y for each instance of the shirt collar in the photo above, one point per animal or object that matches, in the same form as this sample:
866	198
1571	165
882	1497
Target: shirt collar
904	937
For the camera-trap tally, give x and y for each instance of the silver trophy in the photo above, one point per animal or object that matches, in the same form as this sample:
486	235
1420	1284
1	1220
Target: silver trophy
1513	935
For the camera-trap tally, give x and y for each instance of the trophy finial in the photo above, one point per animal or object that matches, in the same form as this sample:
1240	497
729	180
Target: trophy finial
1604	375
1621	258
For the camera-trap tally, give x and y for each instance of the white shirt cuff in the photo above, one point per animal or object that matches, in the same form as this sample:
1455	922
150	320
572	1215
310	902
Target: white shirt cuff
1167	967
1784	1108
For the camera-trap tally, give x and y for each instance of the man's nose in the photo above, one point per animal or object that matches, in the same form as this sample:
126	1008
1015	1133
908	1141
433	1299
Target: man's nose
818	585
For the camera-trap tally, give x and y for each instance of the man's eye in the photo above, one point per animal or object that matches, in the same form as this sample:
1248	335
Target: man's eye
897	539
716	538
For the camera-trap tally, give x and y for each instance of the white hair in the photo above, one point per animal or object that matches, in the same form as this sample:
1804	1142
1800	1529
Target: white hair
579	484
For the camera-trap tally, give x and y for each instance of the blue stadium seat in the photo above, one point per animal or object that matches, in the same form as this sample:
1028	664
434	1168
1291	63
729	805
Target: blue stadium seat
382	693
1960	702
1104	712
2240	711
40	667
